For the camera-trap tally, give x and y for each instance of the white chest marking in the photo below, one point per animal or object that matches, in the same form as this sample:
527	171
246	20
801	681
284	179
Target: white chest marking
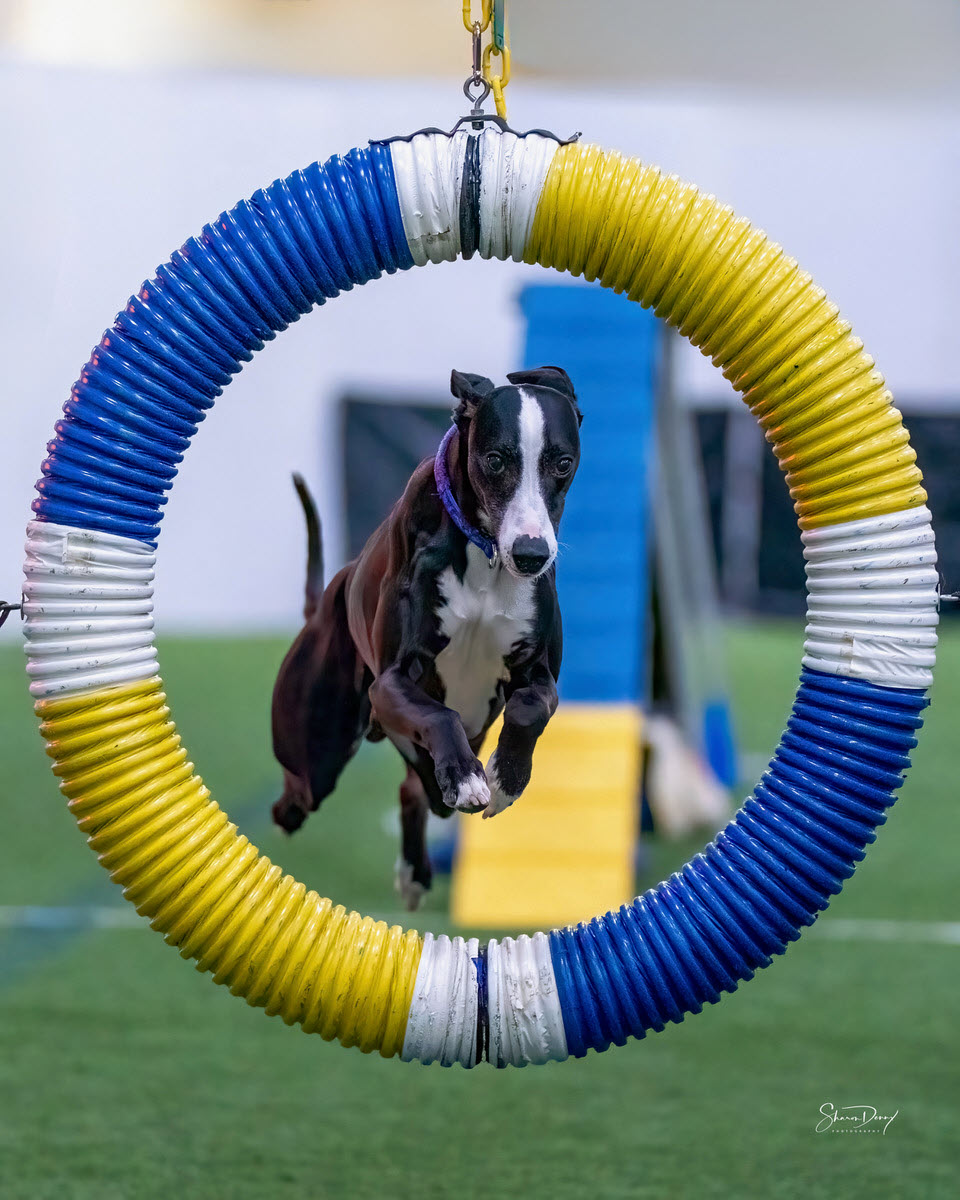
485	615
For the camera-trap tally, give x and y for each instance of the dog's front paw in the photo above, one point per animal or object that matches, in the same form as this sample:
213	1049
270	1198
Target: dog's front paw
473	794
465	790
500	798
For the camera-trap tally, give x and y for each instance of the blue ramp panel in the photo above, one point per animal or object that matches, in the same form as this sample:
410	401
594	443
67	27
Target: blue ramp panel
608	346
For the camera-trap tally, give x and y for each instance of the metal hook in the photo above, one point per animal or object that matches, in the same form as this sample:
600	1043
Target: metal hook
476	112
479	98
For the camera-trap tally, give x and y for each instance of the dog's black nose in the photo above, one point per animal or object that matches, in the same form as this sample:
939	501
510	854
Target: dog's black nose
529	554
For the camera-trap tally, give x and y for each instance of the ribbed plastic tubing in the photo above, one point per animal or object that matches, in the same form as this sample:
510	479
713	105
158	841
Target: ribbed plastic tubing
870	639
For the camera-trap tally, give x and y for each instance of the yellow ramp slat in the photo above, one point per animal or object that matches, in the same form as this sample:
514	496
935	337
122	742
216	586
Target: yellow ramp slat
565	851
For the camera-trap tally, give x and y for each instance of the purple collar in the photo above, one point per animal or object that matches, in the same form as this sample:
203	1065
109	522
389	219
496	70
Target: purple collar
442	476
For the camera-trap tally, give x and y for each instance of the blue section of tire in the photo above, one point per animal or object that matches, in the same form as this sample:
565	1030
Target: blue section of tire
181	338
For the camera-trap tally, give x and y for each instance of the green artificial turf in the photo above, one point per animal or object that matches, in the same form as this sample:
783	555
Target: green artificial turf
125	1074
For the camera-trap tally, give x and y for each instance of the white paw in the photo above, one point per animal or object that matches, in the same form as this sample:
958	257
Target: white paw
499	799
410	893
473	793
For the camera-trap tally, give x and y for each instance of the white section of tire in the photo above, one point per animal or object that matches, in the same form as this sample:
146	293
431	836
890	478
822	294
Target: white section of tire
526	1024
88	609
428	169
442	1024
872	602
512	174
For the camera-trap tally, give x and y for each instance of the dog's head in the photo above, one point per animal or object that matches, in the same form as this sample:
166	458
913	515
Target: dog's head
523	449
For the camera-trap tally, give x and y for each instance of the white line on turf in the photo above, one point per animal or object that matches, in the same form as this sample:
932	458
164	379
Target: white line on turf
78	916
112	916
868	929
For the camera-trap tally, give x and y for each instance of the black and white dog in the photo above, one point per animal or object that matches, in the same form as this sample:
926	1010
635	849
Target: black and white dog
447	618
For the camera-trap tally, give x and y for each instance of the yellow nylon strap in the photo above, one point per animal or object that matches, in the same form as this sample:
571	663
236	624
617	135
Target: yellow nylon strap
745	304
181	862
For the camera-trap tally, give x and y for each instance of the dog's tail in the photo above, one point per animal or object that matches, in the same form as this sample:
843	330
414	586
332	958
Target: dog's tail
313	588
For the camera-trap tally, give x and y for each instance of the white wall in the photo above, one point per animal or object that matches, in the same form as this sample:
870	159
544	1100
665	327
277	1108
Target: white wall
104	174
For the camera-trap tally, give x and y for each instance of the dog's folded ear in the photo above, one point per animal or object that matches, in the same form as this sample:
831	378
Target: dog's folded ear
548	377
469	390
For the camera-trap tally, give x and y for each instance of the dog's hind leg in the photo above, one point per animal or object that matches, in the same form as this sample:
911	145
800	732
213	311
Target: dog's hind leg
290	811
336	722
320	710
413	873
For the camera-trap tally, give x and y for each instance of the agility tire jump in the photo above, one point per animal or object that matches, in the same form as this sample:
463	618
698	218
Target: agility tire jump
870	635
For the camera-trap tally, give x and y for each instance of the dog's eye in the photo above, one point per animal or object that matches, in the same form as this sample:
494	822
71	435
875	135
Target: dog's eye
564	465
494	463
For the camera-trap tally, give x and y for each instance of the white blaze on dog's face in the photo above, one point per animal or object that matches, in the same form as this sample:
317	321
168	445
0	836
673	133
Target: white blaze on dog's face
527	534
523	452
